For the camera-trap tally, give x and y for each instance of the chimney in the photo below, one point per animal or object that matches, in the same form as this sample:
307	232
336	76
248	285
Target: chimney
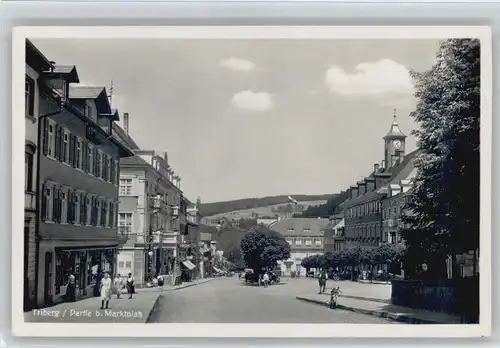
165	157
125	122
376	167
354	192
384	164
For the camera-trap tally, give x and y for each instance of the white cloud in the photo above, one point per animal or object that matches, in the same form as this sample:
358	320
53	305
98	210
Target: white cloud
237	64
253	101
370	79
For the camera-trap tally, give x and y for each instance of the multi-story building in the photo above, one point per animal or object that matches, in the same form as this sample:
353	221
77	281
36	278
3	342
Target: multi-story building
363	211
305	236
194	256
150	201
151	216
78	185
36	65
393	205
334	234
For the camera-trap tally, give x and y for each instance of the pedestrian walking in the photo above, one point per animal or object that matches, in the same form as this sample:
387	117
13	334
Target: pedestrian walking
71	289
118	286
265	279
322	281
130	285
105	290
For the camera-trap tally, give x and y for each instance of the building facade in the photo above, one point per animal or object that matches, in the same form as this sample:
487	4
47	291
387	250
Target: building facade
363	212
149	217
305	236
334	234
36	64
78	186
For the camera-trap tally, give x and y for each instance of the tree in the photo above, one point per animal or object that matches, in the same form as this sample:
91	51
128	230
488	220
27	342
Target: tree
263	248
306	263
444	219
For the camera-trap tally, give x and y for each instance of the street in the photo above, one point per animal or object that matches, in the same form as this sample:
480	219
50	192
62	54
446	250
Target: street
229	300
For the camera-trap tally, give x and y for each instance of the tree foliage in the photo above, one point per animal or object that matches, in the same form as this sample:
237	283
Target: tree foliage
329	208
445	199
384	254
263	248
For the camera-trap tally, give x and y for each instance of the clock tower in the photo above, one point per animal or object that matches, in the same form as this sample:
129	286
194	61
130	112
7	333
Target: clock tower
394	145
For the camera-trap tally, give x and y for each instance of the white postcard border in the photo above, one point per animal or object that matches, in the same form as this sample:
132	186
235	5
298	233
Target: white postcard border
20	328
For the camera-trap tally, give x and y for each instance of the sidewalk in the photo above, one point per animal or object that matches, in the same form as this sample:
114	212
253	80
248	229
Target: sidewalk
380	308
122	310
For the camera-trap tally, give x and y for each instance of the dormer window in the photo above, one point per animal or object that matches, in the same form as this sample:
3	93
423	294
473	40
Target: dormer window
89	111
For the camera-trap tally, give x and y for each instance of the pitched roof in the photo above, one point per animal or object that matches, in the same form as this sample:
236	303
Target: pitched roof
124	137
300	226
35	58
96	93
133	161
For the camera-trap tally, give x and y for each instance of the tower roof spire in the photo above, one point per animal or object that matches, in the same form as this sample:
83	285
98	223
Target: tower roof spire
395	131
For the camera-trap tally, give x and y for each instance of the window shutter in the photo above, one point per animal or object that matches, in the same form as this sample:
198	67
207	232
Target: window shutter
44	203
94	158
45	136
84	156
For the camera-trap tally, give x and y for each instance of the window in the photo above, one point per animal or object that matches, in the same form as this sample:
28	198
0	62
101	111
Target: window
78	154
108	170
111	221
89	209
121	264
48	203
51	140
99	164
83	211
317	242
89	111
63	196
65	147
29	96
298	242
128	264
104	213
28	172
125	187
308	242
90	159
125	223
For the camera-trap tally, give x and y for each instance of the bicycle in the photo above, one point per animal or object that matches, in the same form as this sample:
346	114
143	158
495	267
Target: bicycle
334	294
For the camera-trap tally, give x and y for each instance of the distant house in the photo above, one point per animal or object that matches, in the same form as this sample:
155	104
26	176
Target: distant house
305	236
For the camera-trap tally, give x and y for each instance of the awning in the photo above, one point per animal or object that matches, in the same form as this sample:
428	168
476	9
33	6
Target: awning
204	250
217	270
188	265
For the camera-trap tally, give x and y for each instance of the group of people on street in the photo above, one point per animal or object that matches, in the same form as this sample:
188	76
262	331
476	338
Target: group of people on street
108	287
104	287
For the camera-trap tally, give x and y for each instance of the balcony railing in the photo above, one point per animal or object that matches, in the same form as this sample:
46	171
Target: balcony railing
30	201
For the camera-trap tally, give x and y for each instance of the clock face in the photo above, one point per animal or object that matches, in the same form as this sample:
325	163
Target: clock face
397	144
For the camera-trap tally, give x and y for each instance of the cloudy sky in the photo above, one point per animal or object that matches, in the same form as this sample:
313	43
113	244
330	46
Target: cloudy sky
252	118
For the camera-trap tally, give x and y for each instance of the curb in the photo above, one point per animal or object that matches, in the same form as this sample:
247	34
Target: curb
190	284
381	314
156	304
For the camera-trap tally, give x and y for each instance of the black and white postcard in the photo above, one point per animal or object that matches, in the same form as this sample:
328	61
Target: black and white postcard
252	181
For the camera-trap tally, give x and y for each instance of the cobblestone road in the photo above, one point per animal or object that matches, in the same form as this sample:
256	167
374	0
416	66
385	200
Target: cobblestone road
230	301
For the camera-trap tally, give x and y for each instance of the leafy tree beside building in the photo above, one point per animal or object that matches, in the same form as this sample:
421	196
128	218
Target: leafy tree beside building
445	200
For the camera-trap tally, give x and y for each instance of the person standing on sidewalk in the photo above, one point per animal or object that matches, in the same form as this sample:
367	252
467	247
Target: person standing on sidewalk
105	290
118	285
265	279
322	281
130	285
71	289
